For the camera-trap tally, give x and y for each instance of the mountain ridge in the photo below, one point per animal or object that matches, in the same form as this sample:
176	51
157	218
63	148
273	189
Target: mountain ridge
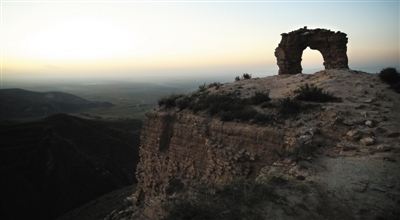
19	103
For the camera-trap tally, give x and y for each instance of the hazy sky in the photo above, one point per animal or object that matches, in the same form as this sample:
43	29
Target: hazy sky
95	39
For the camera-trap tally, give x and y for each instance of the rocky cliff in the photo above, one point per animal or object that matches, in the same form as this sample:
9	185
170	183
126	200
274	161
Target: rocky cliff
181	149
189	148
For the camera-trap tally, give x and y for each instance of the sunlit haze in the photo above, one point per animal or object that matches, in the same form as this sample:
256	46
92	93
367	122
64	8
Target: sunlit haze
135	40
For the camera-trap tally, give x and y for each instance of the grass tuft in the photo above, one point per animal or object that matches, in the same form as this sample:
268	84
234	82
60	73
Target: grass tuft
260	97
313	93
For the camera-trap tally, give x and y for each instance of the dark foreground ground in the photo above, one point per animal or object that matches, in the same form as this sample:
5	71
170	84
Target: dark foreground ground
52	165
110	204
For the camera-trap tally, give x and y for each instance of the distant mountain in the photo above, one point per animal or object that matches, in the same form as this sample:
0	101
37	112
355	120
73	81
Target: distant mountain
19	103
52	165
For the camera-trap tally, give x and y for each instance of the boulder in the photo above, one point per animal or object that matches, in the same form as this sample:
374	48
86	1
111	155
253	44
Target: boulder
367	141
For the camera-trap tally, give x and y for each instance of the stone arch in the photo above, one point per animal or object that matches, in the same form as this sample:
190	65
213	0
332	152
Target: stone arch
332	46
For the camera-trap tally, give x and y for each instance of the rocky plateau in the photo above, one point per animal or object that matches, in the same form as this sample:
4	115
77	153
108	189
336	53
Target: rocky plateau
351	173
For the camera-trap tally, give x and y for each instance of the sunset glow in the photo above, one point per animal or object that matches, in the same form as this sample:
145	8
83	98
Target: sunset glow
107	39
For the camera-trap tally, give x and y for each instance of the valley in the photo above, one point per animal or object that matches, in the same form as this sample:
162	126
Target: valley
64	145
52	165
127	99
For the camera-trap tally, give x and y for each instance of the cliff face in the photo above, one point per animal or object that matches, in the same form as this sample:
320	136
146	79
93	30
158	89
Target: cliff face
186	148
350	172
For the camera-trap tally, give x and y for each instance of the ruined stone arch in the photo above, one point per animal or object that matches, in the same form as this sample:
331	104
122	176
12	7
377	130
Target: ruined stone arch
332	46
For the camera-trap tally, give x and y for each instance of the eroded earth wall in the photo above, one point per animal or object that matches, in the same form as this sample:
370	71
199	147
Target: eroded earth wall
181	150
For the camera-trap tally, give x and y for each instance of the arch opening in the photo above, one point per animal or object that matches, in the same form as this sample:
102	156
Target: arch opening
311	61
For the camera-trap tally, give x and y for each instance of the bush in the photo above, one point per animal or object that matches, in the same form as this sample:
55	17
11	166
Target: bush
263	118
183	102
260	97
169	101
224	102
202	88
244	114
312	93
390	75
288	106
226	106
395	87
214	84
267	105
246	76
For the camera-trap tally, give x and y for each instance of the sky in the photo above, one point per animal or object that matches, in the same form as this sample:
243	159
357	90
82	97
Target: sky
42	40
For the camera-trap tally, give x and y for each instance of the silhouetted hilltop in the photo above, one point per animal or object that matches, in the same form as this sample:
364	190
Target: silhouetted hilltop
52	165
19	103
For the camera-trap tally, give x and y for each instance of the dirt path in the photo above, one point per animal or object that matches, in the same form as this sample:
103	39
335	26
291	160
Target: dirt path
368	185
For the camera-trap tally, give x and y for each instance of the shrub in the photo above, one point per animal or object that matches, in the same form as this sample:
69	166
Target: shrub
214	84
227	116
246	114
263	118
243	114
260	97
222	103
312	93
390	75
183	102
169	101
227	106
202	88
267	105
396	87
246	76
288	106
